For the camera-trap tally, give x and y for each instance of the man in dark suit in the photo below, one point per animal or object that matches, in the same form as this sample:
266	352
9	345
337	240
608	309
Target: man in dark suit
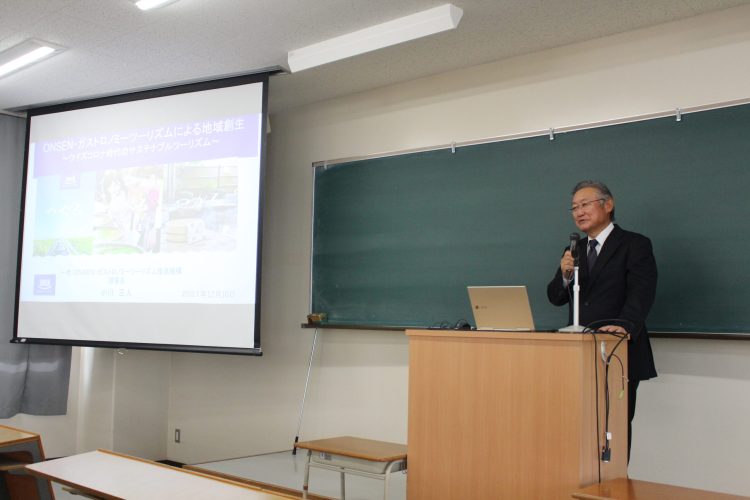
617	276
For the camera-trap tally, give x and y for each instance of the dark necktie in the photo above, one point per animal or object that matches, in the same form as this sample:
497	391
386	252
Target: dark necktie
591	255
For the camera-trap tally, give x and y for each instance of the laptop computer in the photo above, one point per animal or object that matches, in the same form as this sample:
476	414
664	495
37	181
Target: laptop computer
504	308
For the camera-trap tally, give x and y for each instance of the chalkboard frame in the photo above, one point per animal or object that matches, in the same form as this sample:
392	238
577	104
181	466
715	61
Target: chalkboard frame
676	115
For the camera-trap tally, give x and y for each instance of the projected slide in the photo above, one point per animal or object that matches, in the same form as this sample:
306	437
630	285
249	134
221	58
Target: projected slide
141	221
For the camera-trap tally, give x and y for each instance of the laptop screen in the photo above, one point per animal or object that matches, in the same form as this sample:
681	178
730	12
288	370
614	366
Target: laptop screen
501	308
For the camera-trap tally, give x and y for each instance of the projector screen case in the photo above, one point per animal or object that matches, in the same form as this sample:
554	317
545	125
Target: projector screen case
142	220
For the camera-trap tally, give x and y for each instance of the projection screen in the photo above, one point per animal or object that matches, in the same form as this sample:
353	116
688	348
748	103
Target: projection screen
141	220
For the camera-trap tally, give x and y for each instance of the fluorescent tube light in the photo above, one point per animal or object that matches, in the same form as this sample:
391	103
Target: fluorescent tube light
24	54
151	4
421	24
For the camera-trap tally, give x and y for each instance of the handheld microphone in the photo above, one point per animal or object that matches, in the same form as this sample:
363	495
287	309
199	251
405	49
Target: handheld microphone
574	237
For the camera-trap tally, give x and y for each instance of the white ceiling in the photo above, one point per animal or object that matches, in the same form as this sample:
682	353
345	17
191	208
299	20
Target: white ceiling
112	47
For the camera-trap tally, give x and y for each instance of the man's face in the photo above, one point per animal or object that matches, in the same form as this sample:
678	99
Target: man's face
589	213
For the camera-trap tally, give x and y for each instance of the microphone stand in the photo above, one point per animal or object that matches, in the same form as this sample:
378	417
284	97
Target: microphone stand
575	327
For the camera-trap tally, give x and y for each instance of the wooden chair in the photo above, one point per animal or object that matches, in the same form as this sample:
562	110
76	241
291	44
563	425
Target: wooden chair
17	449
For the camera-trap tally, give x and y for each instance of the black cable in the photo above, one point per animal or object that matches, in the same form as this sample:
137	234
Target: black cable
461	324
607	362
628	325
622	369
606	388
606	406
596	393
605	452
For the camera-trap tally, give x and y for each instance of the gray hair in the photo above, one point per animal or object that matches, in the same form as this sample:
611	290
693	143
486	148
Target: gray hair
604	192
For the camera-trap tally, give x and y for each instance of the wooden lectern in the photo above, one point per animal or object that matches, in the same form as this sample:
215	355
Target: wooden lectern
511	414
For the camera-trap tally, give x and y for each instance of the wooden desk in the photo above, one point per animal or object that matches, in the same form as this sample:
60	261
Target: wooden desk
112	476
630	489
18	448
362	457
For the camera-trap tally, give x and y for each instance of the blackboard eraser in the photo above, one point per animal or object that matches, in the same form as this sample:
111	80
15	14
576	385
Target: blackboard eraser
316	318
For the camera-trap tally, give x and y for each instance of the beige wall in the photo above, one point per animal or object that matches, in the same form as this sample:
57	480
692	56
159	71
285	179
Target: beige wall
691	427
94	402
140	402
691	422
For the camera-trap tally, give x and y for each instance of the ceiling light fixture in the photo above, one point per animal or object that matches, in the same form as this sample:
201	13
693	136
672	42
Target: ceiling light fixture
403	29
25	53
152	4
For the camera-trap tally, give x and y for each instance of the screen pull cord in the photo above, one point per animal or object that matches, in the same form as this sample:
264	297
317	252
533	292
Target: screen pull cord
304	394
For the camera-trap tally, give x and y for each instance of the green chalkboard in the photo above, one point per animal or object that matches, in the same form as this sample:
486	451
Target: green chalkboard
397	239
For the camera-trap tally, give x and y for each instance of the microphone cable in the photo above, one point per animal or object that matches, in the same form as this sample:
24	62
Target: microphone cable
596	395
440	325
606	359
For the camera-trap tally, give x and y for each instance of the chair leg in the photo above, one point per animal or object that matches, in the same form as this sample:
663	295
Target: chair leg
386	478
306	483
343	485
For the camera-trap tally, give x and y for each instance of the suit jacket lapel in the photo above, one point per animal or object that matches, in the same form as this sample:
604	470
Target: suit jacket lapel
608	250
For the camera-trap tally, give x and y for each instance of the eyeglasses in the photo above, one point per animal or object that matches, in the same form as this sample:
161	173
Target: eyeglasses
584	205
